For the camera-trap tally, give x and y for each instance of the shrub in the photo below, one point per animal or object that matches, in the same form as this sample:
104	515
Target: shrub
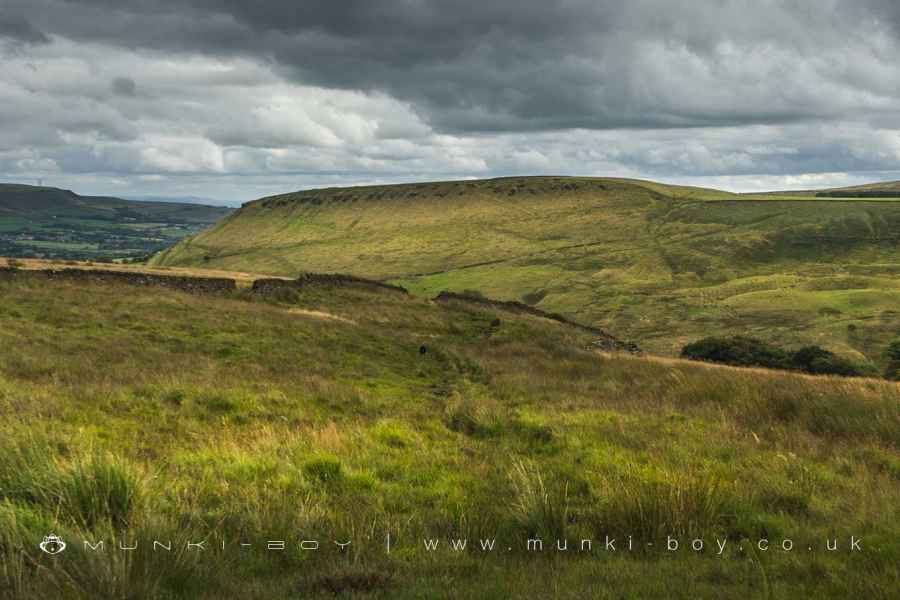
892	372
750	352
819	361
738	351
893	351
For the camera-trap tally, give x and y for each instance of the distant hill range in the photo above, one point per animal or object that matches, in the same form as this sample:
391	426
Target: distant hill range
650	262
47	222
182	200
883	189
33	202
887	189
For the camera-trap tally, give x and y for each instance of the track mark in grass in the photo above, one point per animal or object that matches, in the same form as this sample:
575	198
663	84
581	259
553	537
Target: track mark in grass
318	314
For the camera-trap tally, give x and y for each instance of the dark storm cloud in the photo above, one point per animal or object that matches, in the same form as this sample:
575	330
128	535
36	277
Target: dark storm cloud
508	65
403	89
15	27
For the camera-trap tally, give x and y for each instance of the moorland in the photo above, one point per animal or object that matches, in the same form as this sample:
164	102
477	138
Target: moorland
662	265
354	411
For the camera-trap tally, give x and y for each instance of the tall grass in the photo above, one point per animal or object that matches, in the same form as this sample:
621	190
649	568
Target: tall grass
671	503
90	490
540	510
237	418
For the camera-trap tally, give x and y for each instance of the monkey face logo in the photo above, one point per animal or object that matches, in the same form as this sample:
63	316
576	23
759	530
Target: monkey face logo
52	544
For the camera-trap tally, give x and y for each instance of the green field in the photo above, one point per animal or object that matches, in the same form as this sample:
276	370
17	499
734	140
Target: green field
662	265
40	222
136	414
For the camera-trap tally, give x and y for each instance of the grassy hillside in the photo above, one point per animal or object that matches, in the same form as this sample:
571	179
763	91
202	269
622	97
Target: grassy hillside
659	264
129	413
56	223
882	189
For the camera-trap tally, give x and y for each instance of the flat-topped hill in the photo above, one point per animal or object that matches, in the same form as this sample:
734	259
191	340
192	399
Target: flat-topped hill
659	264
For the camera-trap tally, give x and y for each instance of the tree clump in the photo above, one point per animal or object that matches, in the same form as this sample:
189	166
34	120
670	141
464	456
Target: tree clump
892	353
744	351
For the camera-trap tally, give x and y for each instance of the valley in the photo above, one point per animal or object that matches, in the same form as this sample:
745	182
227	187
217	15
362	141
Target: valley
658	264
40	222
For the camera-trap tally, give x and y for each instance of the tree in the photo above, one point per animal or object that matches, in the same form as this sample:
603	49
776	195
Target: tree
739	351
819	361
892	352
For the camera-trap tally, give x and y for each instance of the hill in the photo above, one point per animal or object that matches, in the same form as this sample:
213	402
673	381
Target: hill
659	264
881	189
334	410
885	189
52	222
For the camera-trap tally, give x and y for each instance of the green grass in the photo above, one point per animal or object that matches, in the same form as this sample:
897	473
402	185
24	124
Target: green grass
662	265
138	413
55	223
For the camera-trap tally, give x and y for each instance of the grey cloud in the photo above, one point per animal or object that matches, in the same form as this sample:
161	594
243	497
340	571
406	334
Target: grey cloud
358	91
508	65
123	86
15	27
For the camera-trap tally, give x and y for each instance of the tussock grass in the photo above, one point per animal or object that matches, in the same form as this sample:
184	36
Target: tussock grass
91	490
540	511
670	503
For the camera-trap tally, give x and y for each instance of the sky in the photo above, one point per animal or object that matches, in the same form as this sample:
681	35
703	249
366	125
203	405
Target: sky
233	100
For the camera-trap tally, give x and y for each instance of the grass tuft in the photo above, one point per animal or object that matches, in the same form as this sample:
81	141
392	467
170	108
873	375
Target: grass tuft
540	511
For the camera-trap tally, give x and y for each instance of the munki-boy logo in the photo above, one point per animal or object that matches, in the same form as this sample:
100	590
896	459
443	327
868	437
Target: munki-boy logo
52	544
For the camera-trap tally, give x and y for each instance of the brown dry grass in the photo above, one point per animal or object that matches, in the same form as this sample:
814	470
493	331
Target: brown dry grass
243	279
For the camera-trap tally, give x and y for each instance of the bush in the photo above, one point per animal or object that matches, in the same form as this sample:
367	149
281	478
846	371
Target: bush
738	351
892	372
750	352
893	351
819	361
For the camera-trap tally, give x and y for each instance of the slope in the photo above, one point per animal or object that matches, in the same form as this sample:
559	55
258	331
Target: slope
152	414
57	223
655	263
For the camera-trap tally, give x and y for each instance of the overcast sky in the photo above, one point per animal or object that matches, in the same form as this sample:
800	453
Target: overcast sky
232	99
